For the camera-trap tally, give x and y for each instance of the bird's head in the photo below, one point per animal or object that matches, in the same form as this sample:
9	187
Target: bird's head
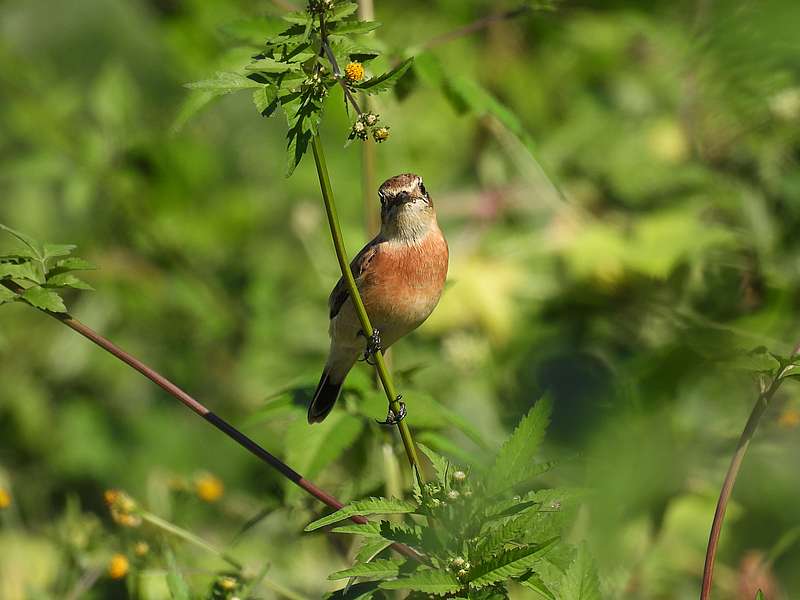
406	208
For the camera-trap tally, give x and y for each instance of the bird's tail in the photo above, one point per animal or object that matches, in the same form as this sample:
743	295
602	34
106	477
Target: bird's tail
324	398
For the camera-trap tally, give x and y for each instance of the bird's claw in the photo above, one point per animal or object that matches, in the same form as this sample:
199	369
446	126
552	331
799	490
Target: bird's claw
393	418
374	345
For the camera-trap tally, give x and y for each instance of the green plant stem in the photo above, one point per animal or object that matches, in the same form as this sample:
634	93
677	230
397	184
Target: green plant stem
733	471
358	304
189	537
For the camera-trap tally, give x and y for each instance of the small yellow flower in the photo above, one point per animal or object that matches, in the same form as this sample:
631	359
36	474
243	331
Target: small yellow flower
380	134
5	498
209	488
141	548
122	507
354	72
118	566
111	497
789	419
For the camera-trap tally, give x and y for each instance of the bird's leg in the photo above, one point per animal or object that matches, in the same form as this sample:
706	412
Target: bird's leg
373	345
393	418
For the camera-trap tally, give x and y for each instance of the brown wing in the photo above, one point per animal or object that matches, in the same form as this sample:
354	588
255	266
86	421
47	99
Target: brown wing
358	266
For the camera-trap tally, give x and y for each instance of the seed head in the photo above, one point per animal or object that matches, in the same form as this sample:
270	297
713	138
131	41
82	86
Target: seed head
453	495
459	476
462	573
458	562
370	119
380	134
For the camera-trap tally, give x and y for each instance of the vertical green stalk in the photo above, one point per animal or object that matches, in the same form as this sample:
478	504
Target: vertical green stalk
355	297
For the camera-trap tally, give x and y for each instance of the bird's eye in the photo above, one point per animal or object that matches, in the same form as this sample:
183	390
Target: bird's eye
422	189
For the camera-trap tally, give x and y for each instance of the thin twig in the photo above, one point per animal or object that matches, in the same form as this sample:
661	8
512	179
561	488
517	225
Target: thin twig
190	402
733	471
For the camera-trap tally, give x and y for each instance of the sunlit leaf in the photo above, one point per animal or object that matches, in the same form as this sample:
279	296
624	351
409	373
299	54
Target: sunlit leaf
386	81
44	299
507	564
433	582
377	569
370	506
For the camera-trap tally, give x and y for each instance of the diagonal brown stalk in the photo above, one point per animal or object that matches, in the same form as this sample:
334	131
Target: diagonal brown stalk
187	400
760	407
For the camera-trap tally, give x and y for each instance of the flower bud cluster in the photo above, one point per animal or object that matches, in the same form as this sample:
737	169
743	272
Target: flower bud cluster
366	124
318	7
123	508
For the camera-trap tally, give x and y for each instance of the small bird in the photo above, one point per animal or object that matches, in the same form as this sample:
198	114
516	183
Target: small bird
400	275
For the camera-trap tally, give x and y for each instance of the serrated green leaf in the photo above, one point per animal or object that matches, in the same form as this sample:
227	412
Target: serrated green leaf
353	27
364	590
402	534
44	299
581	582
69	280
429	581
370	548
56	250
270	65
71	264
26	271
369	506
377	569
33	245
533	582
178	589
385	82
340	11
440	464
515	463
224	83
266	100
507	564
371	529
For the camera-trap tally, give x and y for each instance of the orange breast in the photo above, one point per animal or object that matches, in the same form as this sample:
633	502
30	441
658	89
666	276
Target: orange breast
405	281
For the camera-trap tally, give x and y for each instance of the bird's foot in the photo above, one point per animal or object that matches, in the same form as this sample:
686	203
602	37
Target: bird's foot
393	418
374	345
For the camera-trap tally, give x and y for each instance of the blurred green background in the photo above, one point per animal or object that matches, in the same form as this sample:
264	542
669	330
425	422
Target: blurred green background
619	250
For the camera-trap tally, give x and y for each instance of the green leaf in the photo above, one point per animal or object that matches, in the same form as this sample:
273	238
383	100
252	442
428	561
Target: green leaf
370	548
340	11
6	295
757	360
253	31
224	83
266	100
56	250
364	590
370	530
270	65
44	299
369	506
440	464
194	103
581	582
71	264
178	589
378	569
760	595
27	271
386	81
350	27
429	581
33	245
67	280
515	461
507	564
402	534
533	582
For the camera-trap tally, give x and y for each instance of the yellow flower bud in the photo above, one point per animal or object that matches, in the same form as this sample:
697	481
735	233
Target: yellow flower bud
118	566
380	134
209	488
5	498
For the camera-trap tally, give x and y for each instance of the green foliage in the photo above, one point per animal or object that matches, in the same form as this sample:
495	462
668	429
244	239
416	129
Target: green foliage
471	535
33	275
296	69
